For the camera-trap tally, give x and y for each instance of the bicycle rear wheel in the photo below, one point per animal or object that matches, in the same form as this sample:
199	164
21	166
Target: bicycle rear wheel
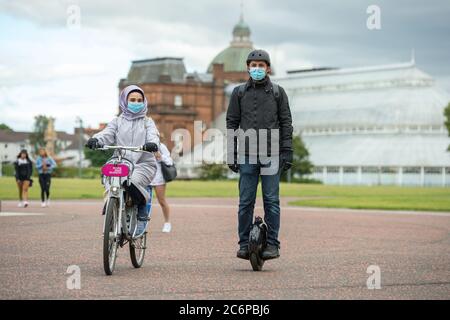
137	250
110	240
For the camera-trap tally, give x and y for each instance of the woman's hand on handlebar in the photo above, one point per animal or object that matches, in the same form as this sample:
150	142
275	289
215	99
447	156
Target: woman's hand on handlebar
150	147
93	144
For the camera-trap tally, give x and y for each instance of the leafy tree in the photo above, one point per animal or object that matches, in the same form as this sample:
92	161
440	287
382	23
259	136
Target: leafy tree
5	127
38	134
98	158
447	120
301	164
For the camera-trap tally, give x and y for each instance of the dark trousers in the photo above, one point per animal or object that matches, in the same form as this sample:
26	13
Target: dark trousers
44	182
248	184
138	199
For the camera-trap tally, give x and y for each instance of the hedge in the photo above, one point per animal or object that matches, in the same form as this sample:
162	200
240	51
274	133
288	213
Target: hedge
59	172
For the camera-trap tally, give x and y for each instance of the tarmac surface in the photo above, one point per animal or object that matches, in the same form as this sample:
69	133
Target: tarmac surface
325	254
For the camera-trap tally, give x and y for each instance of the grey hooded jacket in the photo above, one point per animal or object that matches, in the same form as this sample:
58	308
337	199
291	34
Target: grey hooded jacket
134	133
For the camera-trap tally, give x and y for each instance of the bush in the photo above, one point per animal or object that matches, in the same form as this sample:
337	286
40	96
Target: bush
213	171
72	172
8	170
98	158
306	180
59	172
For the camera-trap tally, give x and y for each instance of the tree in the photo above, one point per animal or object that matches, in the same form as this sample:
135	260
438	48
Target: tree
301	164
5	127
98	158
447	120
37	136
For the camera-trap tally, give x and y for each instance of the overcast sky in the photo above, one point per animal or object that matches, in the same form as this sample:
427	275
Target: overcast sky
48	67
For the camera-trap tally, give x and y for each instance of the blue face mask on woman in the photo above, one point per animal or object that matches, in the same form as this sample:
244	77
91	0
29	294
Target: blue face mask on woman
135	107
257	74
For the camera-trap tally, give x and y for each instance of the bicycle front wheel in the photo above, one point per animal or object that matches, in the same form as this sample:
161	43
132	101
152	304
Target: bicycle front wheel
110	239
137	250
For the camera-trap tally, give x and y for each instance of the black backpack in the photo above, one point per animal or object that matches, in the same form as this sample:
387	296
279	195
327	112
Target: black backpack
275	91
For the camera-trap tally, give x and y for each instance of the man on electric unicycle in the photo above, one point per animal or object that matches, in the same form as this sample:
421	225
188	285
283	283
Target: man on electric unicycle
259	137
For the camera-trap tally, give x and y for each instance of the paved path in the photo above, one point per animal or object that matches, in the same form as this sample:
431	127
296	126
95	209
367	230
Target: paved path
325	254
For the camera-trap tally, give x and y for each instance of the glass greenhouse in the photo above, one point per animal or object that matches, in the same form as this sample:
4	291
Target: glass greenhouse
368	126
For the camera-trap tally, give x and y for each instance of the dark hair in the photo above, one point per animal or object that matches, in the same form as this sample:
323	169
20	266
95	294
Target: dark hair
26	153
45	151
136	90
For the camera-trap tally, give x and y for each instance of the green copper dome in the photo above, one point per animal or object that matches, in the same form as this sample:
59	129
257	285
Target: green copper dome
241	29
235	56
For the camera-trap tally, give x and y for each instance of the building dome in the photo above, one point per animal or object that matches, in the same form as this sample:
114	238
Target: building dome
241	29
234	57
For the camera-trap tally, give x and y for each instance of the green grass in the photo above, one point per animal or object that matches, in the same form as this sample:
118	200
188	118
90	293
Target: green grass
61	188
376	197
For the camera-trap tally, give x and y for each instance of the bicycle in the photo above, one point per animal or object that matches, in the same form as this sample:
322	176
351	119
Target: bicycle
120	222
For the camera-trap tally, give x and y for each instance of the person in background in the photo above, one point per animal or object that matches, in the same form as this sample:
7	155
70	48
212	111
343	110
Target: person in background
45	166
23	171
159	184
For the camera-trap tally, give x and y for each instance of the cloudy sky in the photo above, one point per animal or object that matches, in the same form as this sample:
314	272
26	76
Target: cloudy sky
50	66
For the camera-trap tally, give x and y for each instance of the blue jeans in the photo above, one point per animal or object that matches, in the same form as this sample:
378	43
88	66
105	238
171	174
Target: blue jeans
248	184
144	210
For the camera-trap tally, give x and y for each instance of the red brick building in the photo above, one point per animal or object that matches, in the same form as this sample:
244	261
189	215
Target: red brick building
177	98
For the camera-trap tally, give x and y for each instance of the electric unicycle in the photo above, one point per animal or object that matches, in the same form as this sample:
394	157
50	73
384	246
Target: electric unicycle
257	243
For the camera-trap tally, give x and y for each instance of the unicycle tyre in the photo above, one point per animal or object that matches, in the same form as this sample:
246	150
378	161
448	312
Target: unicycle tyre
256	261
257	243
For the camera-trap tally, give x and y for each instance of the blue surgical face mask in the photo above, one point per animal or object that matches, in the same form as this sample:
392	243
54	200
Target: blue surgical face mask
135	107
257	74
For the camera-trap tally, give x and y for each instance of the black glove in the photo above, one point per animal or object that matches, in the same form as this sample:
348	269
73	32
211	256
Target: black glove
233	165
286	159
93	143
150	147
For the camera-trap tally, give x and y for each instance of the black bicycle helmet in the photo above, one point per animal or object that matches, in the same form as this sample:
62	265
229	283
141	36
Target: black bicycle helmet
258	55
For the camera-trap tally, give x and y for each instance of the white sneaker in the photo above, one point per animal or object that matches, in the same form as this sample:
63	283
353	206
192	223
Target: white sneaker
43	204
47	203
25	204
20	205
167	227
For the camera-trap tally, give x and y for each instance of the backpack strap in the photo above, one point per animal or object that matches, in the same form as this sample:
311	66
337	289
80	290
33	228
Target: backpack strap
241	90
276	93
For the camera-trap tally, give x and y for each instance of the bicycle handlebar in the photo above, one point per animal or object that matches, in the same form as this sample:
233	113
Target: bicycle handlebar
134	149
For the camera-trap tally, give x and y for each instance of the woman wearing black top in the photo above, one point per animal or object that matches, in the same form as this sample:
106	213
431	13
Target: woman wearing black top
24	170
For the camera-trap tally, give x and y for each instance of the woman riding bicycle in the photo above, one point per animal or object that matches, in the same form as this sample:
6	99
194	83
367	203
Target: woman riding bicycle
133	128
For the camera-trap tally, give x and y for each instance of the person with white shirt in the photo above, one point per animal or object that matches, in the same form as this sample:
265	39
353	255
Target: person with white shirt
159	184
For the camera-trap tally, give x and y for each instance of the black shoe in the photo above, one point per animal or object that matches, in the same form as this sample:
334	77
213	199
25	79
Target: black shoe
243	253
270	252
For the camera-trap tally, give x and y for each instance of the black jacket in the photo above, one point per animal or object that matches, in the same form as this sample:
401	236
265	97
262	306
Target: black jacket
258	109
23	171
